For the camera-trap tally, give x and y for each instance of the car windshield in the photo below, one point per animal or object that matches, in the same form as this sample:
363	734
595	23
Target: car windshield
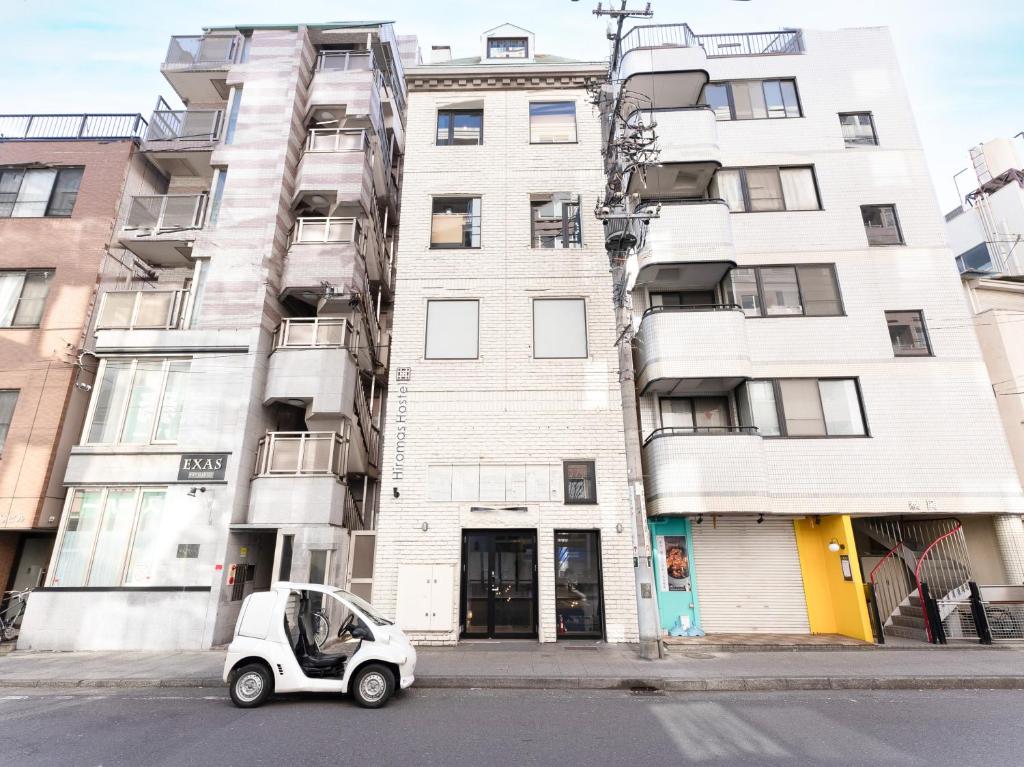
365	607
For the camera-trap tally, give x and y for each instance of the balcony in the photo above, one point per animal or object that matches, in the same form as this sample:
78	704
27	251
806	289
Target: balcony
334	169
689	155
81	127
685	350
317	360
688	247
142	309
196	66
705	471
160	229
180	142
343	251
342	77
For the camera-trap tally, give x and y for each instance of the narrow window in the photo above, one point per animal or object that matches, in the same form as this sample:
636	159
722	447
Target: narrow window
460	127
555	220
757	407
819	290
840	404
229	132
716	96
744	286
801	403
453	330
676	413
858	129
65	192
764	189
580	482
553	122
728	185
34	195
559	328
23	297
881	224
799	189
507	48
218	194
908	334
455	222
8	399
781	291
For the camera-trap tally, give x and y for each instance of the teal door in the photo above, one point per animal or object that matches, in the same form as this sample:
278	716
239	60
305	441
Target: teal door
674	578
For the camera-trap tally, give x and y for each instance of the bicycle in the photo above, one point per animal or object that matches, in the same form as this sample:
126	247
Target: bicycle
11	615
321	627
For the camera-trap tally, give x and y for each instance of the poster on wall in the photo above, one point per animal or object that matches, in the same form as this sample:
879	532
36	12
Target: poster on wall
674	574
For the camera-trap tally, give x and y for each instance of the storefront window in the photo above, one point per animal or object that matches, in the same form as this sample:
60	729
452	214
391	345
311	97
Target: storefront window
578	607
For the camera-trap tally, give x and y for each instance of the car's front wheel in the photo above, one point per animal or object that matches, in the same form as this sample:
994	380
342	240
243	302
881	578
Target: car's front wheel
373	685
250	685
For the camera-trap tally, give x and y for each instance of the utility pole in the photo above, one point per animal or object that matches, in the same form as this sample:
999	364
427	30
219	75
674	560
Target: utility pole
629	148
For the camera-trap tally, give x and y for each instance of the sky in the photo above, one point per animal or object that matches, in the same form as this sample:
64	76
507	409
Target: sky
963	61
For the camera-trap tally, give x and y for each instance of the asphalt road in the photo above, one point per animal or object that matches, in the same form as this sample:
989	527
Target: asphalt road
515	727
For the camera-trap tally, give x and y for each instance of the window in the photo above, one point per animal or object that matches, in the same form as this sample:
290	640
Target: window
908	334
555	220
460	126
881	225
691	298
127	536
858	129
453	330
696	414
559	328
218	194
38	192
750	190
553	122
580	482
8	399
23	296
807	290
138	402
236	104
455	222
507	48
803	407
753	99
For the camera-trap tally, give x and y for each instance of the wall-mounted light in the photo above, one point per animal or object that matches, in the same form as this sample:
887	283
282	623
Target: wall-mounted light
192	492
760	519
618	527
424	527
835	546
394	492
700	519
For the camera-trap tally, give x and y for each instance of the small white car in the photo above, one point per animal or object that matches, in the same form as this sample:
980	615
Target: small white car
276	648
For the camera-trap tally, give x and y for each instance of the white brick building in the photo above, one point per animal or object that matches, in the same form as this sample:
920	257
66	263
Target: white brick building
475	534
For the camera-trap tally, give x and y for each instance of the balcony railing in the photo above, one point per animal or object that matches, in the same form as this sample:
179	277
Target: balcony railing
199	51
677	431
788	41
345	61
319	230
82	127
184	125
370	433
302	453
164	212
141	309
314	333
336	140
695	308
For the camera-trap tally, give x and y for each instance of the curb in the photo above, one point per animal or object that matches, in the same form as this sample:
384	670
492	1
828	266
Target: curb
640	685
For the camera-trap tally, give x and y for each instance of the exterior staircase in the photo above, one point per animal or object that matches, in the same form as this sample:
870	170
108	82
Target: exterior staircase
908	620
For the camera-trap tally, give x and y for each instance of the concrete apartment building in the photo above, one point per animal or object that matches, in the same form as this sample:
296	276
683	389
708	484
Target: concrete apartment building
61	178
232	434
504	510
807	370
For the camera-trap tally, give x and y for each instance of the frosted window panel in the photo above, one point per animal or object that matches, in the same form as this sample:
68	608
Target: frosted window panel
453	330
820	291
466	483
117	310
677	413
439	483
726	185
79	534
781	294
173	401
11	284
710	413
111	394
515	483
8	401
33	299
763	412
538	482
802	406
492	483
143	403
559	328
764	189
841	406
151	550
798	189
154	309
112	540
34	195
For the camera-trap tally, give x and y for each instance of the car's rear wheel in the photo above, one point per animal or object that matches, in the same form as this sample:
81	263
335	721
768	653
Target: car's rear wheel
373	685
250	685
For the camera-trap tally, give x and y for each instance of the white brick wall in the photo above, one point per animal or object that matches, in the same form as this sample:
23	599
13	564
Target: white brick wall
506	406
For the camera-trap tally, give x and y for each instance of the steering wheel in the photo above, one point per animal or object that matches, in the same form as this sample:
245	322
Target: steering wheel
346	625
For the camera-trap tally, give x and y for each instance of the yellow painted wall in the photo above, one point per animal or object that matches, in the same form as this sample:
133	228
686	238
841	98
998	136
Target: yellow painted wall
834	605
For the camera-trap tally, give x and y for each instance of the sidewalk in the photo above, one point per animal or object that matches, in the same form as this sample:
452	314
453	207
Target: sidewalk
527	665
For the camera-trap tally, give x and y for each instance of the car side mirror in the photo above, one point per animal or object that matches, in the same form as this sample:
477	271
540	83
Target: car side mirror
361	632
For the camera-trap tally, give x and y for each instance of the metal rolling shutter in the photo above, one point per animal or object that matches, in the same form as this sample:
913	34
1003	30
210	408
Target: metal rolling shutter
748	577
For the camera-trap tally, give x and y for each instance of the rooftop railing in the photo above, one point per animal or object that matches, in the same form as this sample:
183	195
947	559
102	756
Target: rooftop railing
199	51
787	41
302	453
81	127
166	212
184	125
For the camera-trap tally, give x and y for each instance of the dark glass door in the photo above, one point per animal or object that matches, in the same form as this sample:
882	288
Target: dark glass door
499	583
579	610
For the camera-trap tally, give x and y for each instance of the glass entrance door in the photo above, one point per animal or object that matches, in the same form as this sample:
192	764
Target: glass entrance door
578	606
499	583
